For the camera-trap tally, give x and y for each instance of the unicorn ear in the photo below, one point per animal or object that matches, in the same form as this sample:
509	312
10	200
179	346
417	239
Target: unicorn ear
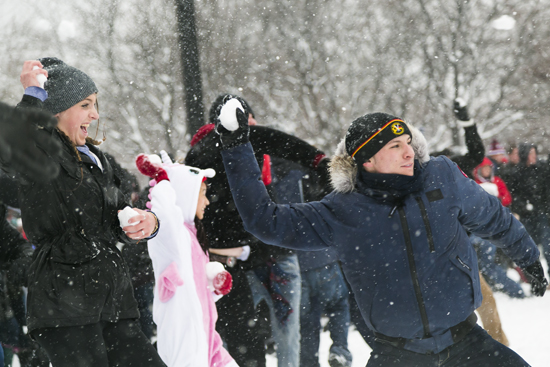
209	172
165	157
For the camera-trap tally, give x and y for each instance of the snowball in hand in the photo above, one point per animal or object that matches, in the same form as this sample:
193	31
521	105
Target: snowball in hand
228	114
125	215
213	268
155	159
41	78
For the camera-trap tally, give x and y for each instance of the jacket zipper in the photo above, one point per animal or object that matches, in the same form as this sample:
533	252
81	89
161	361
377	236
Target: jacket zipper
426	220
463	263
414	275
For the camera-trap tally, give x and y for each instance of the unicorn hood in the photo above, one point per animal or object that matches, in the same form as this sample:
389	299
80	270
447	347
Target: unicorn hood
186	181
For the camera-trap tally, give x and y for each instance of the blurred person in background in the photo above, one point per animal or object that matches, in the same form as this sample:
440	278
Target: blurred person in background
528	184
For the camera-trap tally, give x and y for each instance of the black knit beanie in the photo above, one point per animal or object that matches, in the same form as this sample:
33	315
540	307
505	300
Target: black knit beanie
66	85
220	101
369	133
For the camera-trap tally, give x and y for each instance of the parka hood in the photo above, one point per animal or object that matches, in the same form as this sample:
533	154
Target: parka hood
343	169
486	162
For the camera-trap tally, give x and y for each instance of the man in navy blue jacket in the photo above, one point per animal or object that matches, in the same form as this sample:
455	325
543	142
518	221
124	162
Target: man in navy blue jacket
398	221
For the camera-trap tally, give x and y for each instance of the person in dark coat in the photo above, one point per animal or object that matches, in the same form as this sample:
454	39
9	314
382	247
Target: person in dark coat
15	258
398	220
224	228
81	309
528	184
15	251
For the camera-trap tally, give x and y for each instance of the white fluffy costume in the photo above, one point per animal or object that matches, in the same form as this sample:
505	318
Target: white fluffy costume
183	306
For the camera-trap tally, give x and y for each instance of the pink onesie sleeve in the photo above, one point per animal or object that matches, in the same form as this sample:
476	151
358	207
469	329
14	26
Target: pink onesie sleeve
168	281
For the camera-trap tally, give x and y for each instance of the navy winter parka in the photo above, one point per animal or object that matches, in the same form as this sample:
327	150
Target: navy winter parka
412	268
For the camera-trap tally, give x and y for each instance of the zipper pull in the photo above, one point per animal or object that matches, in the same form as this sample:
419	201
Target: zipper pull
392	211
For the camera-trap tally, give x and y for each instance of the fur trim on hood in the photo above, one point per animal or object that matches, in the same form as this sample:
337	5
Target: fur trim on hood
343	169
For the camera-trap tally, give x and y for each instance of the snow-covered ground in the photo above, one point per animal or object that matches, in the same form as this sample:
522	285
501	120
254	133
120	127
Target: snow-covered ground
526	323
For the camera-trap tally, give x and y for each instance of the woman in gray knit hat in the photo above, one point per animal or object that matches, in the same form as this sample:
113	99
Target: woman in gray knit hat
81	307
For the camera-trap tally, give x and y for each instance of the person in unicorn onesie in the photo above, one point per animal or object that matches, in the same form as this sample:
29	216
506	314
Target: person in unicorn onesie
186	282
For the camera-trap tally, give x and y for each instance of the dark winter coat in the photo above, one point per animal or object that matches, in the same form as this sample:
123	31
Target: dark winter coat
222	223
410	265
77	276
528	186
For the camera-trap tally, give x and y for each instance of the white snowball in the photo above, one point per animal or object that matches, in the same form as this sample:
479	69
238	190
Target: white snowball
213	268
41	78
155	159
125	215
228	114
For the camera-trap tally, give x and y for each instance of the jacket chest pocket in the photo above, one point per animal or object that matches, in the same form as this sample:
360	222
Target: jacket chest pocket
439	221
427	225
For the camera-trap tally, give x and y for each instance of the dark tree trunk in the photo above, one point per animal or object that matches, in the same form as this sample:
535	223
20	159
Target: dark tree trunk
187	33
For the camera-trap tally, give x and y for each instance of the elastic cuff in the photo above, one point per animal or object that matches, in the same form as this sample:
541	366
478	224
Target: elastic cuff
154	234
318	158
36	92
245	254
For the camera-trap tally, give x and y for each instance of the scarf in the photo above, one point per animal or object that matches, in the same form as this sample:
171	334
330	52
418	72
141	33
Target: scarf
390	188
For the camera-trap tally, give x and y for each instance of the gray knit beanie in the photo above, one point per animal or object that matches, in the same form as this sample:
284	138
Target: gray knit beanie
66	85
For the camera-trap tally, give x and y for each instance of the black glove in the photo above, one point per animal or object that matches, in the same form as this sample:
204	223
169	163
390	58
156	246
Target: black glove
461	110
231	139
19	136
535	273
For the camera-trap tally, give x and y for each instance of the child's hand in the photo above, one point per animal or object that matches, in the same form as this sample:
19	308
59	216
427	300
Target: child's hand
222	283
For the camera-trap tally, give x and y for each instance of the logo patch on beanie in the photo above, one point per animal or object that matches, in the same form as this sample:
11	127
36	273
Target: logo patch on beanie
397	128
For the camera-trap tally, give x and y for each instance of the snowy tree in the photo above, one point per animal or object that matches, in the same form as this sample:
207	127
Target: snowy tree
307	67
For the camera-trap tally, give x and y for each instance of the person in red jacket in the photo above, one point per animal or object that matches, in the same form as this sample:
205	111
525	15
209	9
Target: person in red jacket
494	185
